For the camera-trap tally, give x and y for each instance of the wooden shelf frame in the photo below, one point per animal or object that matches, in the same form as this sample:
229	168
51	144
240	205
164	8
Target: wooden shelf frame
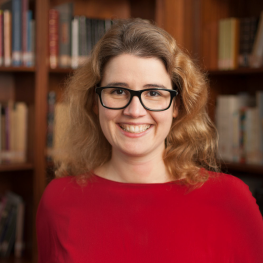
4	167
17	69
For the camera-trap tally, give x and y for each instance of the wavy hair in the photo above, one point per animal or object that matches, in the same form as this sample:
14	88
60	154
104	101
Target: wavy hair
192	141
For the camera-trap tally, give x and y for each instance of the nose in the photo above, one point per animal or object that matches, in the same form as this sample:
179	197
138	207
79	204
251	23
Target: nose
135	108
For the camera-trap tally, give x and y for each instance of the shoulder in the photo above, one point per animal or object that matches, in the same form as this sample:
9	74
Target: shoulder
57	192
227	186
233	198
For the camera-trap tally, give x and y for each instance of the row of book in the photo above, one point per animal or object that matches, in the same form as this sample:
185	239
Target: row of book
17	34
11	224
71	38
240	42
239	120
13	131
56	124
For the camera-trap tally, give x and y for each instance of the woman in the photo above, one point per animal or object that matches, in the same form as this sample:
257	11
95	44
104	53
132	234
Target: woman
138	179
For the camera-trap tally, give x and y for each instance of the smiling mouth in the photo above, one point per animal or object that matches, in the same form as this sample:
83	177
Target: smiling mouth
134	128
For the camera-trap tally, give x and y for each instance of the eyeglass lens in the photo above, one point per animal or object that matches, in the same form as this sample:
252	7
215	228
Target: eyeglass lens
151	99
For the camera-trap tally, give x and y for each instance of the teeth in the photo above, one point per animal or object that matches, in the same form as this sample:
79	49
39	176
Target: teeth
134	128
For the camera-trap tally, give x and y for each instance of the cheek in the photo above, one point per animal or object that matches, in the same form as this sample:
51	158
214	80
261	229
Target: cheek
106	118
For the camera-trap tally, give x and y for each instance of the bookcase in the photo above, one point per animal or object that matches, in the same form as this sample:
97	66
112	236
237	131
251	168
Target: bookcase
184	19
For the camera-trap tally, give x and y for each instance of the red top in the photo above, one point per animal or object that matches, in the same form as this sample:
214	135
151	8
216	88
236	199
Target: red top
107	221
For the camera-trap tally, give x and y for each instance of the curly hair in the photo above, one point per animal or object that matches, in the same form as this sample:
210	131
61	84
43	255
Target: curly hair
192	141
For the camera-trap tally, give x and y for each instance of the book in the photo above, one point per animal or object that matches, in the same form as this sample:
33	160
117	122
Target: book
83	51
228	124
53	38
75	43
16	33
251	136
31	46
228	43
19	241
7	38
248	29
29	53
65	16
89	35
50	123
256	59
25	21
14	122
9	227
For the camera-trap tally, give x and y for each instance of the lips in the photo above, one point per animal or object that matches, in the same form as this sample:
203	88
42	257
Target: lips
135	128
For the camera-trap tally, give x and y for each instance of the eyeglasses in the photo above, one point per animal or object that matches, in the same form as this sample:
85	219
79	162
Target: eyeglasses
117	98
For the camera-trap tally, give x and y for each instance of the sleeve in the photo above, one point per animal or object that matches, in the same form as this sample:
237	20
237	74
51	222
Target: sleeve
246	224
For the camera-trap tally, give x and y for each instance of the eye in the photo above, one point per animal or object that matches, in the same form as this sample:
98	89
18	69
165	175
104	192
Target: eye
118	91
153	93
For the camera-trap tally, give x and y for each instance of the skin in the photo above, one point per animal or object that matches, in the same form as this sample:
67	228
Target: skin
136	158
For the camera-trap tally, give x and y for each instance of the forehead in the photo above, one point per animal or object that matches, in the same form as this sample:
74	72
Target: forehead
132	69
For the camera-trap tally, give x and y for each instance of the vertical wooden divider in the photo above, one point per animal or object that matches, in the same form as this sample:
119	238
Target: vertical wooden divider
41	90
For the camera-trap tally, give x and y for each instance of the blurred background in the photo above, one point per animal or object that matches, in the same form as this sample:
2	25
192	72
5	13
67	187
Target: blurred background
43	41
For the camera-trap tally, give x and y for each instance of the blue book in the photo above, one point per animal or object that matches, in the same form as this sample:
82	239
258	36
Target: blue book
29	46
17	33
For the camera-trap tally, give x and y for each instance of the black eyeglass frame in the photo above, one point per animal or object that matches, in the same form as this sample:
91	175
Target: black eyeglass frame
136	93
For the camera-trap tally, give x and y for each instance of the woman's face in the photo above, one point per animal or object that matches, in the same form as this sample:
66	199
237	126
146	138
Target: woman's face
135	131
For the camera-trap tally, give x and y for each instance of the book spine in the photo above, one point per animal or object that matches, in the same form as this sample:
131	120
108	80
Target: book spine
89	35
53	38
33	43
24	31
75	43
244	42
21	131
28	53
65	18
257	50
221	44
7	38
17	34
50	123
82	40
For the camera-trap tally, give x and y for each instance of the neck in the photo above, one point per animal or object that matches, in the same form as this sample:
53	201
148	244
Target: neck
127	169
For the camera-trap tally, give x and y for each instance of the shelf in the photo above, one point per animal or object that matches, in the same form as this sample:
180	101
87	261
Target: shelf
240	167
240	71
15	166
61	70
12	259
17	69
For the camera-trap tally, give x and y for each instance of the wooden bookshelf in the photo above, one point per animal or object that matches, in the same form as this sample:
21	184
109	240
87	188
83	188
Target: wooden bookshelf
239	71
15	166
17	69
184	19
231	167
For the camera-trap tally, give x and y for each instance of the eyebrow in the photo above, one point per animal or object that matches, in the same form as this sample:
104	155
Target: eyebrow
123	84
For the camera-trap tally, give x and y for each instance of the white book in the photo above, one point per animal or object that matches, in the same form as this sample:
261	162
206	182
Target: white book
75	43
251	132
228	123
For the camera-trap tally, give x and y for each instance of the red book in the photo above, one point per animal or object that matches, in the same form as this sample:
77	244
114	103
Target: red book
53	38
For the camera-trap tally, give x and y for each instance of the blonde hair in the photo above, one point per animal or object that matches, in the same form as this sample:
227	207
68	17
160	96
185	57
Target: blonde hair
192	141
